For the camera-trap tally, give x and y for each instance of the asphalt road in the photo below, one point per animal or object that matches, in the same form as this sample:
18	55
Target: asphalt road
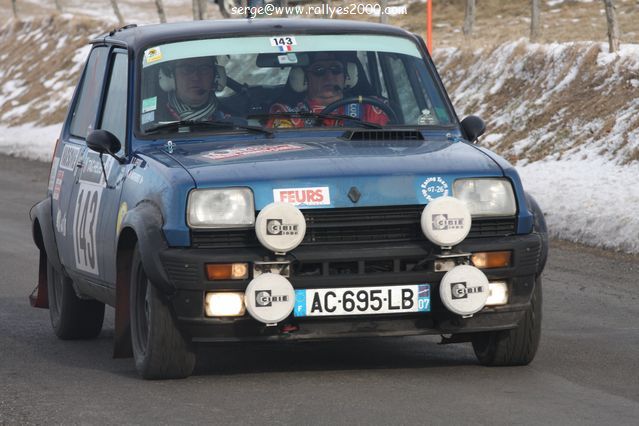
586	370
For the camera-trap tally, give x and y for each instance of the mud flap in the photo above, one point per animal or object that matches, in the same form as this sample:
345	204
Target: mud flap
39	297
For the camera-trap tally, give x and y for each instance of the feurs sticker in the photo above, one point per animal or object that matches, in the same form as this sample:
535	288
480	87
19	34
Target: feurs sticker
225	154
434	187
314	196
69	157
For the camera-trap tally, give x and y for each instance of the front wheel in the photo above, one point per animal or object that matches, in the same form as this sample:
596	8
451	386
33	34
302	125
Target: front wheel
159	349
517	346
71	317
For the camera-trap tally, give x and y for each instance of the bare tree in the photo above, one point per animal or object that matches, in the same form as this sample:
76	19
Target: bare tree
613	25
383	18
14	8
469	19
116	10
199	9
160	7
203	11
535	20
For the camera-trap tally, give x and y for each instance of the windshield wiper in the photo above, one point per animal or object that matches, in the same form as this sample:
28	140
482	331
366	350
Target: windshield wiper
176	125
318	116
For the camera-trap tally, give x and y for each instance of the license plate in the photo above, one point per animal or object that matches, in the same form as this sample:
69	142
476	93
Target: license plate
362	300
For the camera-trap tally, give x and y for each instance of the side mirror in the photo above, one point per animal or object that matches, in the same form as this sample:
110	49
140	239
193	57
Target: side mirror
103	142
474	127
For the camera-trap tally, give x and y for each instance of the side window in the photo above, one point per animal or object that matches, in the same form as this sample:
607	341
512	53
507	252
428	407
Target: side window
86	106
114	113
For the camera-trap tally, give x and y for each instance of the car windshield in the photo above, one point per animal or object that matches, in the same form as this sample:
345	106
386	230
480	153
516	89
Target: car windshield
290	81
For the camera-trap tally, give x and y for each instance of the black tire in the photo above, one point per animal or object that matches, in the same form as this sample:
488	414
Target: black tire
71	317
159	349
517	346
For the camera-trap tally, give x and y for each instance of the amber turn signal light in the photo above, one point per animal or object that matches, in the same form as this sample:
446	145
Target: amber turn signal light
227	271
491	259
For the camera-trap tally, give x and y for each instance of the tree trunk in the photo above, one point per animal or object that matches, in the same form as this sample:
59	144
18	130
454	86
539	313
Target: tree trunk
613	26
160	7
58	6
14	8
383	18
116	10
469	19
203	11
535	20
196	9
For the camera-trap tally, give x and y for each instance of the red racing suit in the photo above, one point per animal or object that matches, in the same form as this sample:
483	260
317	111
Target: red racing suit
364	112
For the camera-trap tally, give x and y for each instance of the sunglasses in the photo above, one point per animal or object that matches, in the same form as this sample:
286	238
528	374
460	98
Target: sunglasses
320	71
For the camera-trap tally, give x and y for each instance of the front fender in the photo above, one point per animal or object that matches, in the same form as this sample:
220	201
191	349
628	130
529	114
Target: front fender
146	221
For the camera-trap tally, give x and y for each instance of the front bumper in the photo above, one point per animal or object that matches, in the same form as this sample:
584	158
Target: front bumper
333	266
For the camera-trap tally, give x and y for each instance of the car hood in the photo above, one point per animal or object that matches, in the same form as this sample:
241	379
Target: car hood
322	172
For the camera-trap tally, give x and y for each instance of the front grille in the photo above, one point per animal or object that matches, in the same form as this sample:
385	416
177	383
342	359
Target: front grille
354	225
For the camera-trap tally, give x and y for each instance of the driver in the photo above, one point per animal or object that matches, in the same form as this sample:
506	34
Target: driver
325	78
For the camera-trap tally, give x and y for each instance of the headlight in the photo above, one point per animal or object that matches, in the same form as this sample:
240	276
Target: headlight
220	208
486	197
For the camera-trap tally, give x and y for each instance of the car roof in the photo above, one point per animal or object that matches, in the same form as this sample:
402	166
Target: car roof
135	37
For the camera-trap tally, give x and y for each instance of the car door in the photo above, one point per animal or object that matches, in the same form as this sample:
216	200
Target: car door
98	186
71	150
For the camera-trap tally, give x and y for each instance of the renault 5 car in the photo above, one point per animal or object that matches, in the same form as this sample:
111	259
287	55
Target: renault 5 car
242	221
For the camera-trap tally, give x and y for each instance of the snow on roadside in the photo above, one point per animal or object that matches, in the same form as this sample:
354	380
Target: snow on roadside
593	202
28	141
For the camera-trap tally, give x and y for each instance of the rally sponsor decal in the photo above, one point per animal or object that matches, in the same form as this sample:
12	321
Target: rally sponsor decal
122	211
61	223
69	157
225	154
442	222
58	184
153	54
92	169
288	59
314	196
54	171
136	177
434	187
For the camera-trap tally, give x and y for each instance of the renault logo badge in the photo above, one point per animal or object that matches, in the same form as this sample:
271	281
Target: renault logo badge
354	194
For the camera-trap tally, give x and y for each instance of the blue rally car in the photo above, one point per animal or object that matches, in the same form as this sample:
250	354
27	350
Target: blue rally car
280	180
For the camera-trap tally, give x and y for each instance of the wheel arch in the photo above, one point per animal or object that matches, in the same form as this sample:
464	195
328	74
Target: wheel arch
539	227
